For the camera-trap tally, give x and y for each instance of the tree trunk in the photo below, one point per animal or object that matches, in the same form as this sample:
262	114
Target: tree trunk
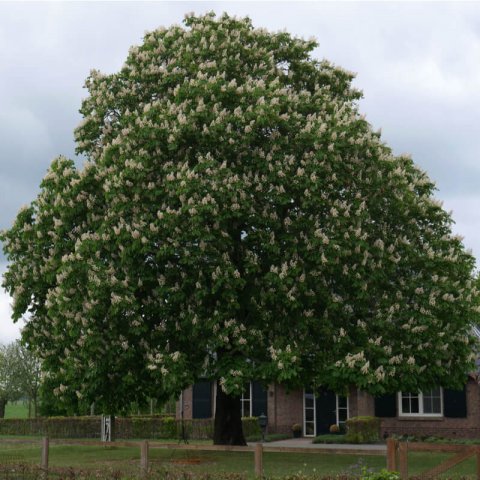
228	428
3	403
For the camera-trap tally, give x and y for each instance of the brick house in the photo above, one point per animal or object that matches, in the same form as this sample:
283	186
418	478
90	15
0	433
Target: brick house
438	412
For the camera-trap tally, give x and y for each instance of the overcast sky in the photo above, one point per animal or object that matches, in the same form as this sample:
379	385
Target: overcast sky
418	65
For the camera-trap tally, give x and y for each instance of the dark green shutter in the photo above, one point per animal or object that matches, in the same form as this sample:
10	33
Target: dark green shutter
386	405
259	400
202	400
454	403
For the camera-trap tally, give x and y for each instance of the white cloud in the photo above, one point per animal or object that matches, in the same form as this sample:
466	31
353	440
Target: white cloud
466	213
25	134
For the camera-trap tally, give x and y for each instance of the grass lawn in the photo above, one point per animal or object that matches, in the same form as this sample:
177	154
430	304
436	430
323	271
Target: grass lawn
126	460
17	409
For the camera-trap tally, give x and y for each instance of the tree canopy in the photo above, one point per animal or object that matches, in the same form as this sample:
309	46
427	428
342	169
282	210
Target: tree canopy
237	218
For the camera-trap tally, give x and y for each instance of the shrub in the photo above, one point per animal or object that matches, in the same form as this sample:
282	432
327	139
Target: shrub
153	427
330	438
334	428
381	475
363	430
251	427
169	427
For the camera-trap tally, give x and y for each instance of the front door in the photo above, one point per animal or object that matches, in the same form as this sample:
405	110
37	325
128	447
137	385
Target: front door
326	411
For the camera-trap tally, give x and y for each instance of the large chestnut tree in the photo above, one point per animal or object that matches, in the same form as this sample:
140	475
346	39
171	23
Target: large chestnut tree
236	219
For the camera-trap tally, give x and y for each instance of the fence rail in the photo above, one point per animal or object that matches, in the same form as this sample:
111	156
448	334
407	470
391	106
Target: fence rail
397	456
257	449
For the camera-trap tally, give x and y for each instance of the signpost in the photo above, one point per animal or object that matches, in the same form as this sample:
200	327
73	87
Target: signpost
107	421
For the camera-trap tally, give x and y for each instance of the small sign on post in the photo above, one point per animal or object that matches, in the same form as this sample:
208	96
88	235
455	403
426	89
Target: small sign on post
106	428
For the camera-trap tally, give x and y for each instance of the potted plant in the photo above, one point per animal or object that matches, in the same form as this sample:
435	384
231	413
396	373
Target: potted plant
297	430
334	428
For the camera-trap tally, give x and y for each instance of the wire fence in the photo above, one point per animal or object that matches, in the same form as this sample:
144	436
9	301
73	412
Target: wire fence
35	460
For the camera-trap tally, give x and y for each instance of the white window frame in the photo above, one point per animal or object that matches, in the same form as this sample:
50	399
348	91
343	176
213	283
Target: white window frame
337	408
314	416
420	407
242	398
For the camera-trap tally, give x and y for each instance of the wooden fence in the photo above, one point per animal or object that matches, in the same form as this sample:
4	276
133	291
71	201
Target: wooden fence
397	453
257	450
397	457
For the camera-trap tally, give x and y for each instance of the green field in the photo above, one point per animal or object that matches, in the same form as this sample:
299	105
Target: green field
126	460
17	409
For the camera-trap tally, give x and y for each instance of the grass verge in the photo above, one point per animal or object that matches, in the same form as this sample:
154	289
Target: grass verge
126	460
17	409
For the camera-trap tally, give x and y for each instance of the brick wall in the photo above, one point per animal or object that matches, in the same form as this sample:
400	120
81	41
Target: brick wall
468	427
359	403
187	399
284	409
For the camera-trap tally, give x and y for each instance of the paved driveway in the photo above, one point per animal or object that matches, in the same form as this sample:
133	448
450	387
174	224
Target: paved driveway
307	443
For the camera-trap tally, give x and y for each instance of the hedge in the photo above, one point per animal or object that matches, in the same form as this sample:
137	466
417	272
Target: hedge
363	430
130	427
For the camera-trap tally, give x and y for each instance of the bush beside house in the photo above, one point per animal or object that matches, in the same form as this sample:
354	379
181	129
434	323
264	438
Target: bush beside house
363	429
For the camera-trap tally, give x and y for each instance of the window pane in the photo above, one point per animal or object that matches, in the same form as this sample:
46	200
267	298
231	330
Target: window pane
436	405
434	392
405	405
414	405
308	402
427	405
342	402
342	415
245	408
309	429
309	414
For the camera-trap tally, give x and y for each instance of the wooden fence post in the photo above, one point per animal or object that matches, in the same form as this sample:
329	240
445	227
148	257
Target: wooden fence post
392	445
403	460
144	458
44	461
478	462
259	460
